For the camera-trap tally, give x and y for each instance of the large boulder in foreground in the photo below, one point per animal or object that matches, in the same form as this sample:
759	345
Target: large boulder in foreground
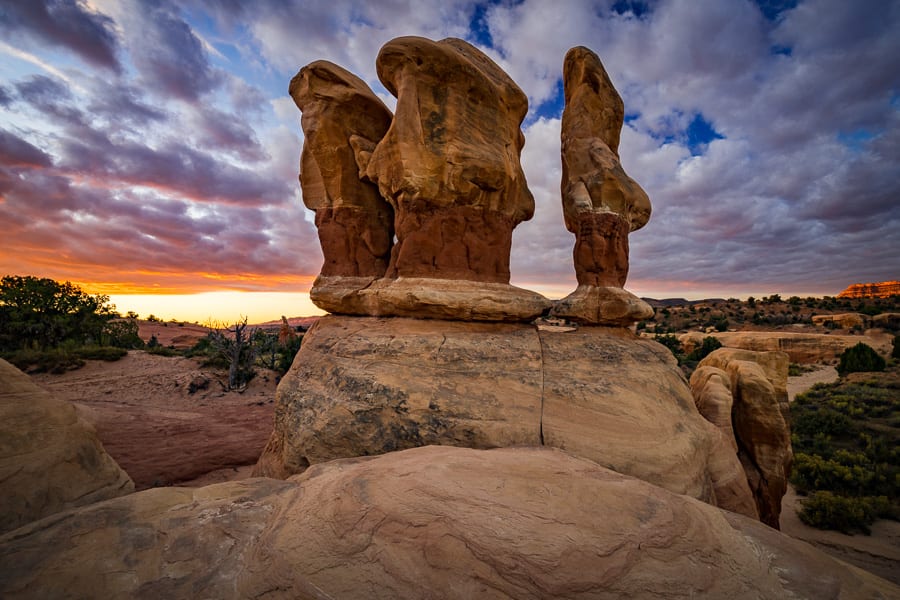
50	458
423	523
759	415
362	386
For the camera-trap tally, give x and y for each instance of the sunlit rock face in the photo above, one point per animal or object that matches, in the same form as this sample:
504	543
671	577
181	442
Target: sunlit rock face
449	164
601	203
758	415
884	289
342	118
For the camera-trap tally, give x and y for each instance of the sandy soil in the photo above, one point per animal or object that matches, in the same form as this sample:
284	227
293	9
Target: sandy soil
879	552
157	429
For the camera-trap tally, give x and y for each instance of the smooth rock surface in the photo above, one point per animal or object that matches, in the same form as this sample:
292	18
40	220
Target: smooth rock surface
801	348
429	522
593	305
842	320
362	386
50	458
428	298
761	421
342	117
449	164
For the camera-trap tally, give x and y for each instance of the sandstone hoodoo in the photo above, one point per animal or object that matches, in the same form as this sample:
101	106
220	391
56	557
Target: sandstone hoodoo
448	164
342	118
601	203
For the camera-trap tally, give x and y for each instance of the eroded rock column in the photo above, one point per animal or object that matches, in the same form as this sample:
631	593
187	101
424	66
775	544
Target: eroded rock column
601	203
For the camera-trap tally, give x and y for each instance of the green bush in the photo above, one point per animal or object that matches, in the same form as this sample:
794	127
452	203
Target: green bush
860	358
59	360
825	510
709	345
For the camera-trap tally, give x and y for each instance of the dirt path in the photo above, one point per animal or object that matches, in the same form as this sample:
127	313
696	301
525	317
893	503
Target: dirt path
165	420
878	553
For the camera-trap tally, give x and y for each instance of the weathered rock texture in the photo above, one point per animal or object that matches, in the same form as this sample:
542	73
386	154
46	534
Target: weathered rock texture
601	203
429	522
449	164
884	289
362	386
800	347
759	414
50	459
342	118
843	320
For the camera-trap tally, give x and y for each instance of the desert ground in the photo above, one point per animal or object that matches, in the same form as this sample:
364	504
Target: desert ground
169	421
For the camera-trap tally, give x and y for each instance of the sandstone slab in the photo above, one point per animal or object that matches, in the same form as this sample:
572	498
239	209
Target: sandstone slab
593	305
428	522
800	347
50	458
362	386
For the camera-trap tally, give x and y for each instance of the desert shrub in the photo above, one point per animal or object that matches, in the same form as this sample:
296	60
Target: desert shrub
106	353
121	333
288	350
671	342
706	347
67	357
160	350
895	352
825	510
860	358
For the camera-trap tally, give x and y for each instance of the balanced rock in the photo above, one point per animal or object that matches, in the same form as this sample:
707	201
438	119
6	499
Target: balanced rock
601	203
50	458
342	118
760	418
428	522
363	386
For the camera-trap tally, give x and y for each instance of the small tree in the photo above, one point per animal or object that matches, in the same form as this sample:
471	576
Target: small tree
860	358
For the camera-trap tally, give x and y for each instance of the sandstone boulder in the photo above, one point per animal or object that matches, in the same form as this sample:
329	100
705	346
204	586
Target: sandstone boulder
449	164
50	458
887	321
429	522
342	118
362	386
842	320
800	347
601	203
760	418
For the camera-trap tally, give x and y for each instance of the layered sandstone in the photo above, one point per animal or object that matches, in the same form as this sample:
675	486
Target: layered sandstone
428	522
842	320
800	347
601	203
748	391
362	386
884	289
50	458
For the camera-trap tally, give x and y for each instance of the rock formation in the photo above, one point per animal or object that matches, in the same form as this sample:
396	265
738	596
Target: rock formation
842	320
601	203
800	347
363	386
342	117
50	458
448	164
429	522
884	289
744	394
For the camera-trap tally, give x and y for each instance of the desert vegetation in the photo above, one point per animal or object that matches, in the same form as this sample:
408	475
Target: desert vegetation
846	450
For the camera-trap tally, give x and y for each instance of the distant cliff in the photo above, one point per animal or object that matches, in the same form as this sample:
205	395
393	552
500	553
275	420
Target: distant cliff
884	289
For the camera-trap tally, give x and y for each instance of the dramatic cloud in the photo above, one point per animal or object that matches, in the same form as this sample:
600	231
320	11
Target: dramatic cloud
767	135
62	23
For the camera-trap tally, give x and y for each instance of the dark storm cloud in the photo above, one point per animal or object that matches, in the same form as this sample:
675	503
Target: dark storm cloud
63	23
170	58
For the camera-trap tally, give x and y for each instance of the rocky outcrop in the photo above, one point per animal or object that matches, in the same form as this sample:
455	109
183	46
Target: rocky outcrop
601	203
758	410
435	521
801	348
342	117
889	321
50	458
842	320
362	386
885	289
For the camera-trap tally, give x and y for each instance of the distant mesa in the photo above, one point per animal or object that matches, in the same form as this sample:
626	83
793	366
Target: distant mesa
885	289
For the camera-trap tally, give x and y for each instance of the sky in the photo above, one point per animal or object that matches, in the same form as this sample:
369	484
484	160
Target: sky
150	147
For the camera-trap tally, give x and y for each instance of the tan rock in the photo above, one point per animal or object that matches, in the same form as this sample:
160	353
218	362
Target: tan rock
449	164
887	321
428	298
362	386
601	203
800	347
341	118
761	422
50	458
711	388
884	289
429	522
842	320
